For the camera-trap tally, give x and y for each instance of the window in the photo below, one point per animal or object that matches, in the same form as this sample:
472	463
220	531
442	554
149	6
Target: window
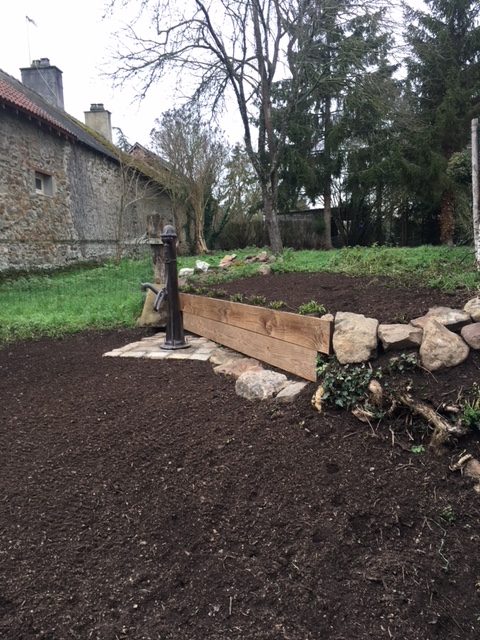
43	184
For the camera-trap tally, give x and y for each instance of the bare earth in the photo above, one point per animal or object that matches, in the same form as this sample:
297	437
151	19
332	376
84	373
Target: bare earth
145	500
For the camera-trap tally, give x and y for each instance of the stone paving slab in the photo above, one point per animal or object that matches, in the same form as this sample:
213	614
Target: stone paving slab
150	347
201	349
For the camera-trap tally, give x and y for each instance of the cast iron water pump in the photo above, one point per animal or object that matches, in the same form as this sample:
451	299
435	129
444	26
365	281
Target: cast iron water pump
175	337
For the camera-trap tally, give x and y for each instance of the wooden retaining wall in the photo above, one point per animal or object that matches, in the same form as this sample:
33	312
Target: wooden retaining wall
285	340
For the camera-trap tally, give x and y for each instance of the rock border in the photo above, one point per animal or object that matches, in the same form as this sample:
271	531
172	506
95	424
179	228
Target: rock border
356	338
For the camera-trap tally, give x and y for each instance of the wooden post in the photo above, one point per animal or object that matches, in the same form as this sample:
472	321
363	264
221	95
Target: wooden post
150	318
475	192
154	233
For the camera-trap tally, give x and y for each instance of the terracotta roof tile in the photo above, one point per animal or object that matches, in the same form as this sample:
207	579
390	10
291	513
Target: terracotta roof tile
15	98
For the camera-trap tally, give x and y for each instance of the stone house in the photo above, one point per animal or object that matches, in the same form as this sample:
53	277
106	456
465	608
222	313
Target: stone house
67	193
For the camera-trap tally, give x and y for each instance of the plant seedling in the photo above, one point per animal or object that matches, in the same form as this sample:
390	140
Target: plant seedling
448	514
418	448
311	307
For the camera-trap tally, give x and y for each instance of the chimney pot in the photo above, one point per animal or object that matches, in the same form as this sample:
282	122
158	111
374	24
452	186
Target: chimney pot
99	119
45	79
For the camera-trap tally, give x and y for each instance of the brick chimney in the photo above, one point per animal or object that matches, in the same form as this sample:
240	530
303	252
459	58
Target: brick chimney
99	119
46	80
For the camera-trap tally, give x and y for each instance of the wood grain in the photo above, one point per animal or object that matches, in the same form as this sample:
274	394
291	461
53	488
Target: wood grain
294	358
312	333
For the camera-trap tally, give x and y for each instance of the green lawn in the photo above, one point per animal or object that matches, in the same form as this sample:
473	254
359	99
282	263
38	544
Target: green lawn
109	296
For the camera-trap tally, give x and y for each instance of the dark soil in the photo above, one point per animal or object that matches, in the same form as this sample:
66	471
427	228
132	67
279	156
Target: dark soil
375	297
145	500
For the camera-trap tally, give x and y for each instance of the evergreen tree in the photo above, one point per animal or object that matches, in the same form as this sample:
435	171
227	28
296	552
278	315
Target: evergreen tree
444	86
342	57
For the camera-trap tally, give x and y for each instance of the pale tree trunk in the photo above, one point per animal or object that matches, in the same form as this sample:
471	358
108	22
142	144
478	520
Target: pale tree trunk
476	192
327	216
446	218
200	243
271	218
267	142
198	205
327	191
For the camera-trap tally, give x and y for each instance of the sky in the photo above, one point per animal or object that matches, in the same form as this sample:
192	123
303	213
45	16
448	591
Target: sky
77	39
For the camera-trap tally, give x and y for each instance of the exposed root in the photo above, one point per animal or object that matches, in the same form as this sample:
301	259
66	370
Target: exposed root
443	429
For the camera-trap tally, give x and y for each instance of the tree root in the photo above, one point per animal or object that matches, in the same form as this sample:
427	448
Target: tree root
443	429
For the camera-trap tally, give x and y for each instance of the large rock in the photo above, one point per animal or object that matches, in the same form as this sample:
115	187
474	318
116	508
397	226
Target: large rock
473	309
260	385
222	354
201	265
354	337
238	366
151	318
471	335
186	272
264	270
227	261
399	336
441	348
291	391
262	256
453	319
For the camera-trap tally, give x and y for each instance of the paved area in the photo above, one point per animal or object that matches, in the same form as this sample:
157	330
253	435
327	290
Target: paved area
253	381
198	349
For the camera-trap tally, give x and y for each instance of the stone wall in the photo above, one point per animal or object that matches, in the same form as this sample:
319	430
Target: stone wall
96	204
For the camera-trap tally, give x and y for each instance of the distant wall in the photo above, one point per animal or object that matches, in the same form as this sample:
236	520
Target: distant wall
94	204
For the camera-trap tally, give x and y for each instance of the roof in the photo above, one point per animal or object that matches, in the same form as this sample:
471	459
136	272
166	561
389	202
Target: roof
16	95
140	152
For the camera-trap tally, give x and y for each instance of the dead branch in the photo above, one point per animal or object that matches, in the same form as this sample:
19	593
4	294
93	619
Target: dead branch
443	429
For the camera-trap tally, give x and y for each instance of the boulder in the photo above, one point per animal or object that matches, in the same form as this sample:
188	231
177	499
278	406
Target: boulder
441	348
151	318
473	309
185	272
354	338
453	319
265	270
238	366
328	317
227	261
399	336
222	354
471	335
201	265
262	256
260	385
291	391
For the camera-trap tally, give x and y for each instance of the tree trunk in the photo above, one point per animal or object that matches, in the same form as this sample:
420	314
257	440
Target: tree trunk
476	192
154	232
271	218
327	217
327	191
446	218
200	243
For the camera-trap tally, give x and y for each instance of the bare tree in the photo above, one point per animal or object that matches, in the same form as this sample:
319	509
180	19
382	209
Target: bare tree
135	187
237	47
195	155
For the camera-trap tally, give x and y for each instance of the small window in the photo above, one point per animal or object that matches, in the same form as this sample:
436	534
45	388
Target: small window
43	184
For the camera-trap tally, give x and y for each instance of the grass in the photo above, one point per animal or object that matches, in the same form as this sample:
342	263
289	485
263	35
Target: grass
109	296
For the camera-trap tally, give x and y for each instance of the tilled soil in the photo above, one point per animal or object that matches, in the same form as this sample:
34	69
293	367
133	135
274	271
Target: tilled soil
376	297
145	500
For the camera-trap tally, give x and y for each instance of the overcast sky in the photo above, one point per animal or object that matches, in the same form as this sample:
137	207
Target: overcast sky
76	39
